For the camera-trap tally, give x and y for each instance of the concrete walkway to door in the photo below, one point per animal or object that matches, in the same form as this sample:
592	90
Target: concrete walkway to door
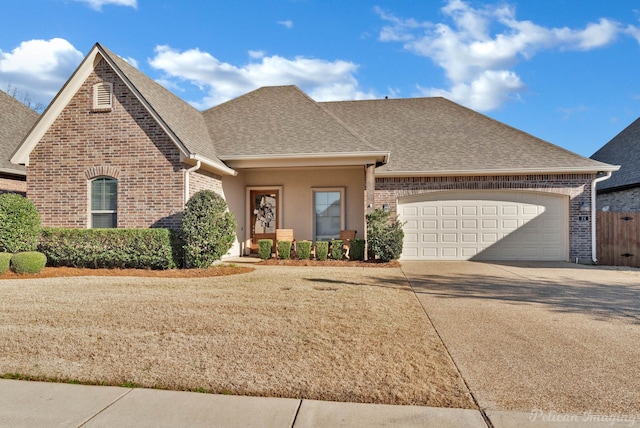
545	339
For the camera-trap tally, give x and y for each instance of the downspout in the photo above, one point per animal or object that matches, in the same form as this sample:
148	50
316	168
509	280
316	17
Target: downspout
594	257
186	180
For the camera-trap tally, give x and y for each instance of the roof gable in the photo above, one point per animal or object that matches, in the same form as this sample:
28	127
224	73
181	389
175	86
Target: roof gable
623	150
435	136
184	124
16	120
281	121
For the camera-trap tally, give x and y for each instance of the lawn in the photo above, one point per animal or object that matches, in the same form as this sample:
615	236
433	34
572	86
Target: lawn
342	334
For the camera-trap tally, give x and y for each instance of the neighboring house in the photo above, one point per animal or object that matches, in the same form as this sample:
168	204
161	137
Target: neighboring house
114	148
16	120
621	193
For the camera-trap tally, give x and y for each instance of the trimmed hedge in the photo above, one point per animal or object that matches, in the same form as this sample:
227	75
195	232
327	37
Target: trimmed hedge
28	262
19	223
384	235
264	248
208	229
5	262
322	250
108	248
337	251
284	249
356	252
304	250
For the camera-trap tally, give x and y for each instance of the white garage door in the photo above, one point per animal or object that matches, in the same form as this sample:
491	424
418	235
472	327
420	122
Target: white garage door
482	225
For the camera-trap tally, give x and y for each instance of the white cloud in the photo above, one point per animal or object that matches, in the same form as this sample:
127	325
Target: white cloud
487	91
97	4
321	79
39	67
132	61
257	54
288	23
479	47
633	31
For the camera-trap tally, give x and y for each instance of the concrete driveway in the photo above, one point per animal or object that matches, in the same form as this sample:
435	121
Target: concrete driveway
546	338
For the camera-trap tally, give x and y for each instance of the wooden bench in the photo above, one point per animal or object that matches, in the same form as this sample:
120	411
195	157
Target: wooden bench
285	235
347	236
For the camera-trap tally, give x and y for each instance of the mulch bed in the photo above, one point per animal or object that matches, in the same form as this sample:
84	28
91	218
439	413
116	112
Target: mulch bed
329	262
54	272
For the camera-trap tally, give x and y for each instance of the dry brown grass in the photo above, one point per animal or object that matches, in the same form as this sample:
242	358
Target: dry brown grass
349	334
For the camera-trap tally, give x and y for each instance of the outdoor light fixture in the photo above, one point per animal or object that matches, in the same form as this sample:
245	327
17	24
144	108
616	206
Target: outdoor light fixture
585	207
385	207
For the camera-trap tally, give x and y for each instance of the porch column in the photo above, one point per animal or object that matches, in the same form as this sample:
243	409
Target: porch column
370	188
369	200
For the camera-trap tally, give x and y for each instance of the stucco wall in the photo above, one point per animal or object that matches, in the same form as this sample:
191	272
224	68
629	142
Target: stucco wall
627	200
576	186
124	143
296	197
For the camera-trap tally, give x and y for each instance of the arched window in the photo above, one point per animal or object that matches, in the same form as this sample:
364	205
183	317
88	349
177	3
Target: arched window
104	203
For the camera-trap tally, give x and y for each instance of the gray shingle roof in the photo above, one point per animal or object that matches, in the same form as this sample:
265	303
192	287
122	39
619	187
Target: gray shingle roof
432	135
183	120
623	150
16	120
278	120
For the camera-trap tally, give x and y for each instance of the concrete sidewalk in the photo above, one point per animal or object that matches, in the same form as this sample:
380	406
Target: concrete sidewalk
41	404
38	404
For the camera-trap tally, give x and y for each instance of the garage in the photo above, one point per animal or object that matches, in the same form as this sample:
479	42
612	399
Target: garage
485	225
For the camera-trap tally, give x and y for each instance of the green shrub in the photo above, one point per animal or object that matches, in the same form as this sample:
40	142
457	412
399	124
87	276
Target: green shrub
208	229
19	224
322	250
108	248
337	251
5	262
356	251
384	236
284	249
304	250
264	248
28	262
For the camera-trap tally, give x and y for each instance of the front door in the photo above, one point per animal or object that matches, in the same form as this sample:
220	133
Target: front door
263	215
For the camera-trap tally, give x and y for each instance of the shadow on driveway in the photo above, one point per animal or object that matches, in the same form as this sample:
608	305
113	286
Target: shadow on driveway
600	293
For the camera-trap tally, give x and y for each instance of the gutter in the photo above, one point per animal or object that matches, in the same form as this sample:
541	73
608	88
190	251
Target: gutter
186	179
594	257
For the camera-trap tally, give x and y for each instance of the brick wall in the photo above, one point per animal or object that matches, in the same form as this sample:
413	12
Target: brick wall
627	200
204	180
124	143
576	186
11	184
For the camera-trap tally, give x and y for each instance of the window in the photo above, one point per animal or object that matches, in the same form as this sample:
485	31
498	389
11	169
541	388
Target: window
102	96
104	203
328	213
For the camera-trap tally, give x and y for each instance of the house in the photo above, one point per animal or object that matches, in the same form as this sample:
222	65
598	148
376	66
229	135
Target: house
114	148
622	192
16	120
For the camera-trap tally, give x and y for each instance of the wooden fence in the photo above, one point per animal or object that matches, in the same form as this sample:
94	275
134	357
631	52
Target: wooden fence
618	238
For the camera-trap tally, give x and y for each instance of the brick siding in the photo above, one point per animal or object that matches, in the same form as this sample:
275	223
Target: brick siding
125	143
14	185
576	186
627	200
204	180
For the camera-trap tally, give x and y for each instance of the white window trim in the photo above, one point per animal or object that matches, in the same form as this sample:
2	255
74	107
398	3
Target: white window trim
101	91
91	211
314	190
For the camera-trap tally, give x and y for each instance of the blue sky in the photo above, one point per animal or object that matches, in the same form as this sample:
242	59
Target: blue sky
566	71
